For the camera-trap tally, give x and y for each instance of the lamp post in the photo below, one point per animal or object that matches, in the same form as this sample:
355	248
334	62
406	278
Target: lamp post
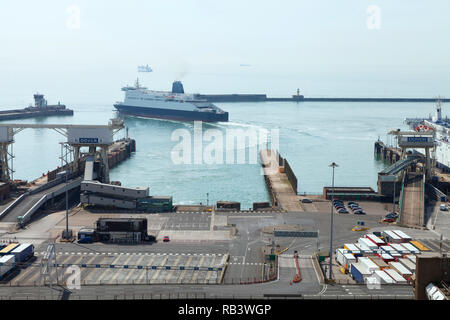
333	165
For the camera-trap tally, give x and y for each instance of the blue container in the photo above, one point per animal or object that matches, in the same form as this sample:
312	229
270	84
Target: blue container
443	199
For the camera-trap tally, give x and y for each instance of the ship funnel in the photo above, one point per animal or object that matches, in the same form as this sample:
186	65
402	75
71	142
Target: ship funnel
177	87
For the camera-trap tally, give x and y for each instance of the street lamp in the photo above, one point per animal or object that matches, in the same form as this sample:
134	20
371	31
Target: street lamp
333	165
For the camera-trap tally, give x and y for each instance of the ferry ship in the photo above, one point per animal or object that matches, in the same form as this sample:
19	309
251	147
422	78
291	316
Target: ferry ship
173	105
441	128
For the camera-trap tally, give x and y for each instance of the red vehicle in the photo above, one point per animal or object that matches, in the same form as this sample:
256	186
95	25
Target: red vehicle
166	239
389	220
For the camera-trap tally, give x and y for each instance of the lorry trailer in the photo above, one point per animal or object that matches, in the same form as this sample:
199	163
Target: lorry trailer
6	250
23	252
7	264
359	272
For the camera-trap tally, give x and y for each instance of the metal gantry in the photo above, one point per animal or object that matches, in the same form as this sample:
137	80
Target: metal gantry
9	130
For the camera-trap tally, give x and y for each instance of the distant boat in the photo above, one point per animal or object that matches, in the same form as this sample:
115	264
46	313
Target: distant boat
145	68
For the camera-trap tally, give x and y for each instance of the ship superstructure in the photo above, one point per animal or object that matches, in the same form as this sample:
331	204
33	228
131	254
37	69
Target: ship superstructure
440	126
173	105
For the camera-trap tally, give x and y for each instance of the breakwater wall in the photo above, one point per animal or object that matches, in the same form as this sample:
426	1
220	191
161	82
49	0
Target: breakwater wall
300	98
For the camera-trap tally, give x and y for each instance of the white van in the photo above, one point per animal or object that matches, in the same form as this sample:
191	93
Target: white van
443	207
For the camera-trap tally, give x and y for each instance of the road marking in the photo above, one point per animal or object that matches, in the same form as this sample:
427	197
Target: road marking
180	278
155	276
144	274
196	272
171	271
99	279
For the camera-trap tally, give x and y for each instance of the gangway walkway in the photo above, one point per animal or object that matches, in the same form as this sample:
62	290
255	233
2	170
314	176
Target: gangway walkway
412	200
28	203
401	164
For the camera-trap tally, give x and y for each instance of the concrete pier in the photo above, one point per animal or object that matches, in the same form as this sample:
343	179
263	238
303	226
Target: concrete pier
282	193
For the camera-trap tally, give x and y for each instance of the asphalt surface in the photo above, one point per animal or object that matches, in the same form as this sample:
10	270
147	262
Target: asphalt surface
244	264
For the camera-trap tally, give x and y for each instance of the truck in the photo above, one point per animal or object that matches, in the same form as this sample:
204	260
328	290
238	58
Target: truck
359	272
23	252
7	265
376	240
402	235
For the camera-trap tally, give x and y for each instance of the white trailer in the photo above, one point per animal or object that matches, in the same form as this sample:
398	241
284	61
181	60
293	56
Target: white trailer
401	269
352	248
369	264
408	264
383	277
411	258
93	199
375	239
7	264
340	256
363	248
392	237
400	248
113	190
402	235
372	246
411	248
395	276
349	259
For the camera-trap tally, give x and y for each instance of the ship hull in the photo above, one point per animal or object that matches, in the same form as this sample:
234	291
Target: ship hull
171	114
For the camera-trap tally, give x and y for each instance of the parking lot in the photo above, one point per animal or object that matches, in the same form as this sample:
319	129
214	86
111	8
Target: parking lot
130	268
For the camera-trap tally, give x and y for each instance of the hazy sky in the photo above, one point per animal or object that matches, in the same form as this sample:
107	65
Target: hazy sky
314	42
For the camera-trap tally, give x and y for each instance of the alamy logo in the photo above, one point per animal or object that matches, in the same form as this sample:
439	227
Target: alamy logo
214	146
73	281
374	17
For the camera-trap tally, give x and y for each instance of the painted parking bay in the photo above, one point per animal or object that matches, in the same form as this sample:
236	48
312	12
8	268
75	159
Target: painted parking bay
133	268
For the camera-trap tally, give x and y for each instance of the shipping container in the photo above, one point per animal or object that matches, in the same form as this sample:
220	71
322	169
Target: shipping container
23	252
402	235
375	240
379	262
408	264
392	237
395	276
359	272
369	264
411	248
383	277
8	249
368	243
419	245
7	264
401	269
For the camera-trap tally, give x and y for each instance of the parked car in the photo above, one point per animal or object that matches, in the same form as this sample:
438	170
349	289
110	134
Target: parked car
359	212
339	207
443	207
166	239
342	211
306	200
389	220
391	215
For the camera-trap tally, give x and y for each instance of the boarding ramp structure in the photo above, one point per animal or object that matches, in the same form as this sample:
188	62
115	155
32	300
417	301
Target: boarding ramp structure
389	180
78	136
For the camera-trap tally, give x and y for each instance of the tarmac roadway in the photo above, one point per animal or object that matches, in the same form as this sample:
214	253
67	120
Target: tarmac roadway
245	262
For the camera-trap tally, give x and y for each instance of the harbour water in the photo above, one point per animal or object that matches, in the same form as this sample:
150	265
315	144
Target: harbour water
312	135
